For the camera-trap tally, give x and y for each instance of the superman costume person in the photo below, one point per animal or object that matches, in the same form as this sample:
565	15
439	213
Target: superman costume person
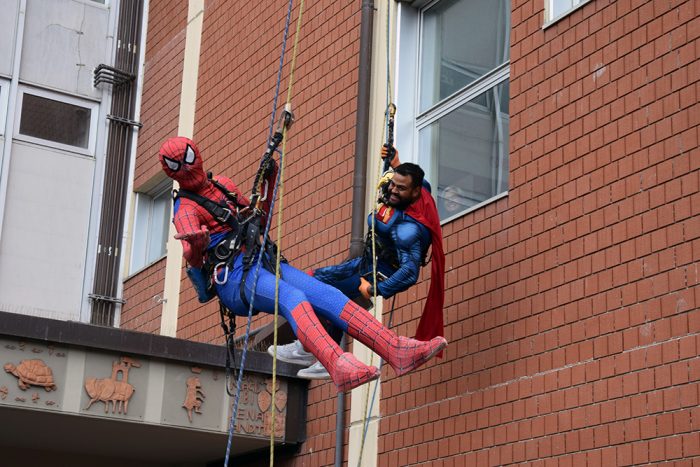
301	296
406	224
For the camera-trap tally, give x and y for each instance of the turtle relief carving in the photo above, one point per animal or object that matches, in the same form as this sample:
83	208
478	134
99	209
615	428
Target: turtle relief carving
32	373
115	389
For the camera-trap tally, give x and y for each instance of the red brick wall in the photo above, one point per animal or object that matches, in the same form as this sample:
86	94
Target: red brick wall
237	75
240	54
143	310
165	46
160	105
572	304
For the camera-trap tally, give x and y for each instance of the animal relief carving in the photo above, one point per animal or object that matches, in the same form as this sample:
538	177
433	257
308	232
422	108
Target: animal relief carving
32	373
116	390
194	397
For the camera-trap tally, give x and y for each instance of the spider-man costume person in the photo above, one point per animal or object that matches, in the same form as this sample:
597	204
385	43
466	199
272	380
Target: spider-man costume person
300	295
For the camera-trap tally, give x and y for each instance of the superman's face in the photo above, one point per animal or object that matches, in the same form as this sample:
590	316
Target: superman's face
401	191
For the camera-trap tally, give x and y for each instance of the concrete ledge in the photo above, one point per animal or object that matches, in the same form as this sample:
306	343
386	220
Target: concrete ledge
118	340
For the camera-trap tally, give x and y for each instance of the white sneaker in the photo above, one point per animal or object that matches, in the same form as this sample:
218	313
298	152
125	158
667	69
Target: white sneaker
292	353
315	371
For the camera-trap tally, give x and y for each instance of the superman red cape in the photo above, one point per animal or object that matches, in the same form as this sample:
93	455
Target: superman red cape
431	322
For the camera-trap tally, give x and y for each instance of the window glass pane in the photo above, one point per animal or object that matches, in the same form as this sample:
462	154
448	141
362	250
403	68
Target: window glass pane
151	224
139	241
560	6
159	227
461	41
470	146
55	121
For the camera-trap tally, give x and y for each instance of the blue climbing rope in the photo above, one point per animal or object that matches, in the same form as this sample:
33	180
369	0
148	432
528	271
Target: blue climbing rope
239	380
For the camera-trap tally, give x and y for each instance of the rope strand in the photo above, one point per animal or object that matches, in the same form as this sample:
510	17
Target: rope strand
368	409
239	381
279	235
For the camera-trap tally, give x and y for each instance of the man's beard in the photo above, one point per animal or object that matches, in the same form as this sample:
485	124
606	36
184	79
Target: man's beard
401	204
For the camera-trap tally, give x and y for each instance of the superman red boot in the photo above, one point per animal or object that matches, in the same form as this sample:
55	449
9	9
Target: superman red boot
346	371
402	353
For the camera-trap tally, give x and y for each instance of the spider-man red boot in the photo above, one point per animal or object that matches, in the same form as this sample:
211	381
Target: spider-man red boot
346	371
402	353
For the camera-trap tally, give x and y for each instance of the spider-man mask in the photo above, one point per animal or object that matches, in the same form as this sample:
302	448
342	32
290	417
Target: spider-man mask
182	162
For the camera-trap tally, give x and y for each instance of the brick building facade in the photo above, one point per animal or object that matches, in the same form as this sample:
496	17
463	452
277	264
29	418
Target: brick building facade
571	302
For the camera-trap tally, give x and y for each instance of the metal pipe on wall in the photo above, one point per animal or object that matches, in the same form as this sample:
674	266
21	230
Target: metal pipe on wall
117	167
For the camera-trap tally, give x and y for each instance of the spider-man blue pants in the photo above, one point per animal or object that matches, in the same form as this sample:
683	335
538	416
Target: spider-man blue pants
295	287
300	298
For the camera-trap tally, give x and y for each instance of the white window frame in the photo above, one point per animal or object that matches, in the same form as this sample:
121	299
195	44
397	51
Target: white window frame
410	119
92	105
4	102
94	3
161	189
549	19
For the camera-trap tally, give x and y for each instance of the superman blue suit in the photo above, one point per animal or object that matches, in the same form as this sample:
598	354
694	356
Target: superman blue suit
401	243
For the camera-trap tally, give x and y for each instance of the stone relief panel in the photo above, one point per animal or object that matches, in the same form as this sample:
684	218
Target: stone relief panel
32	374
193	397
194	394
118	382
117	385
115	389
256	406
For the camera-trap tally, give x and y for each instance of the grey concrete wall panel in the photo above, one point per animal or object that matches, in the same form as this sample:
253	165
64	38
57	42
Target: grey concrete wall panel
15	351
55	226
99	366
178	393
8	32
64	40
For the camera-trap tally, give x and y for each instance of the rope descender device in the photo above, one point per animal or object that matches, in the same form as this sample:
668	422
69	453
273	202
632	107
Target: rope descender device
259	193
390	112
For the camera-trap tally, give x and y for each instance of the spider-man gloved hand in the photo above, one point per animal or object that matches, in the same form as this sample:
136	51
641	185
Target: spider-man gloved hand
194	245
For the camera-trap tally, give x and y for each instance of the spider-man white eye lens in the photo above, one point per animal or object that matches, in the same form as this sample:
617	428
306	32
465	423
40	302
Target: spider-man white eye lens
172	164
189	155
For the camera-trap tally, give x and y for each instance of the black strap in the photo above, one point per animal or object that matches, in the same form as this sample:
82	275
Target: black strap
229	332
221	213
232	197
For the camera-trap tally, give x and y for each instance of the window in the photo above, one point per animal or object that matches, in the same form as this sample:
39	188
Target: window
557	9
56	120
461	116
151	222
